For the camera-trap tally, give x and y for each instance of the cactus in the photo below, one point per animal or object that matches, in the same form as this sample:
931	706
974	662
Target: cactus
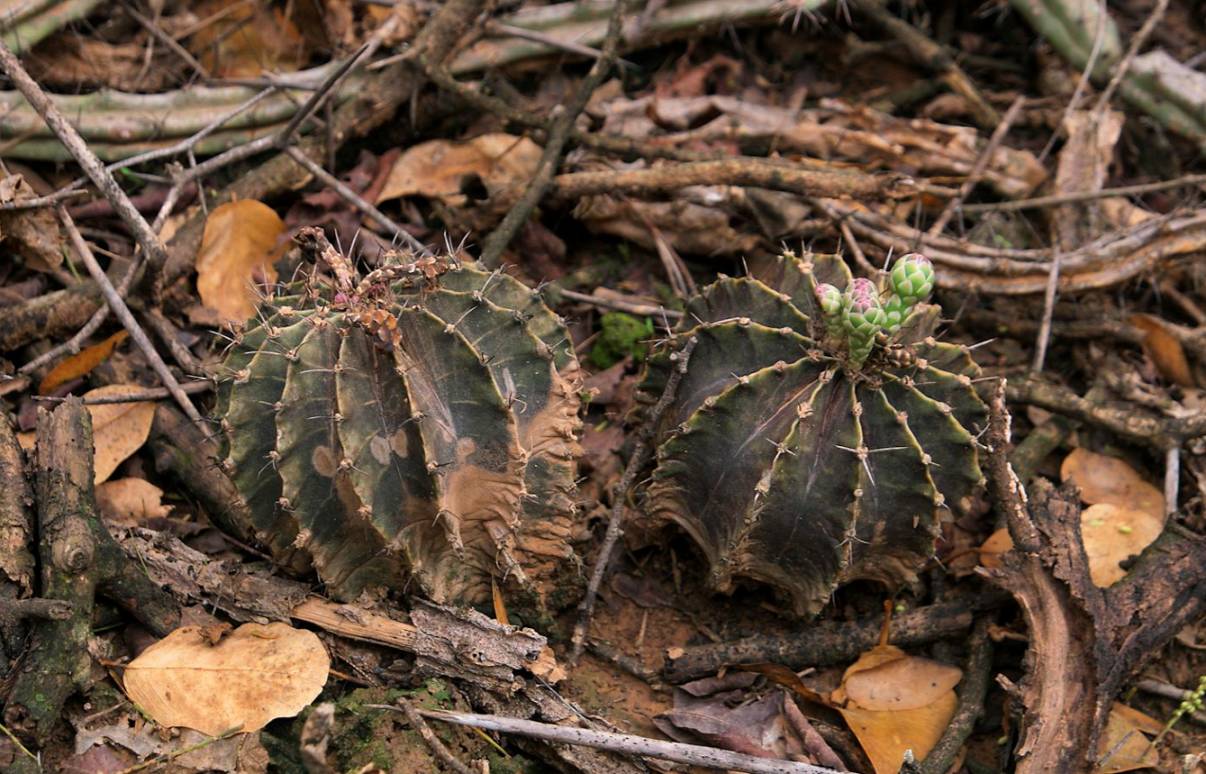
417	425
813	441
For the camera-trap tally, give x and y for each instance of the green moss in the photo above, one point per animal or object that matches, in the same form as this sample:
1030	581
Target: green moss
621	335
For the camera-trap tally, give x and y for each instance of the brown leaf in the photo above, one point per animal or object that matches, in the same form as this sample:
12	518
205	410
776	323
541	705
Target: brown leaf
901	684
440	169
33	234
118	429
242	240
1112	534
256	674
1104	479
998	543
129	502
1164	349
80	363
246	40
1125	743
885	735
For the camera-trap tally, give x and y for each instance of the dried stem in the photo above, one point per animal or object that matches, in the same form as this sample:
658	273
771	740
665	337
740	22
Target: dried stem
559	134
433	742
640	455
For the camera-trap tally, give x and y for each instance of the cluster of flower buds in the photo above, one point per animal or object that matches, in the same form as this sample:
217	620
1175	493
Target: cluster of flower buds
860	313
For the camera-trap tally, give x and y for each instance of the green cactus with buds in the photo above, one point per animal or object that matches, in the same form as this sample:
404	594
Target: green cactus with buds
813	439
414	426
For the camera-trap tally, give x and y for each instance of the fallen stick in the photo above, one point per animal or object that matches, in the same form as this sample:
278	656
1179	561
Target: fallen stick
693	754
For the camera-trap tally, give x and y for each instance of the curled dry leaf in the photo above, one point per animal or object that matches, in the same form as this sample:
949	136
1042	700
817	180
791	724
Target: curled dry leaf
241	241
1164	349
80	363
118	429
256	674
895	702
440	169
1123	747
130	502
1104	479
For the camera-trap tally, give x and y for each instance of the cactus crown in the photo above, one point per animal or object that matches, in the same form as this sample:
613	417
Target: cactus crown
819	433
417	424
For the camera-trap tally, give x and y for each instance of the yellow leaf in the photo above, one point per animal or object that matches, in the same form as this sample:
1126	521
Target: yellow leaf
901	684
1123	747
886	734
500	604
997	544
1103	479
80	363
130	501
118	429
1113	533
1164	349
242	240
439	169
254	675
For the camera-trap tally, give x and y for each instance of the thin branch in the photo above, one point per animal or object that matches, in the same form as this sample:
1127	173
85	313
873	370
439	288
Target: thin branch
166	40
631	307
356	200
542	179
1149	26
1049	296
1086	196
977	170
151	246
640	455
134	396
694	754
433	742
123	314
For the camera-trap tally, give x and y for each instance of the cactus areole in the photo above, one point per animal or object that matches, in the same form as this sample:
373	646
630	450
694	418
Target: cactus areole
414	428
820	432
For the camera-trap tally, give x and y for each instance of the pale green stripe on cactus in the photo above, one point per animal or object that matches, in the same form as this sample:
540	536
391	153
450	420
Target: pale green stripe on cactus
509	293
252	440
381	439
725	351
952	450
802	542
711	469
348	553
896	521
956	391
953	358
731	298
470	443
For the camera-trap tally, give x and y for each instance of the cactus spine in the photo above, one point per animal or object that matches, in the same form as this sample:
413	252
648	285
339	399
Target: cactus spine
820	432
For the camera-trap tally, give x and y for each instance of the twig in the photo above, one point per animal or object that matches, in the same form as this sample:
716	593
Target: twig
542	179
123	314
974	688
759	173
1172	479
1085	196
1099	35
977	170
134	396
640	455
166	40
932	55
37	202
100	177
159	760
824	643
697	755
641	310
433	742
1167	691
1149	26
356	200
1049	295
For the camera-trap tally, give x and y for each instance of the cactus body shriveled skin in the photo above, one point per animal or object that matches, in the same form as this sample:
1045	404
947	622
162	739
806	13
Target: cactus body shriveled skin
805	453
408	429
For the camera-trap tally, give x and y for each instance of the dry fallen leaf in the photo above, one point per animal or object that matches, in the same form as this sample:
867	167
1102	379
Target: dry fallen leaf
1104	479
118	429
254	675
1164	349
242	240
80	363
997	544
246	40
1113	533
895	702
1124	742
130	502
503	163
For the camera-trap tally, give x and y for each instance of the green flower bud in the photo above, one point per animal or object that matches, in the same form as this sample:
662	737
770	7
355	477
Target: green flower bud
864	315
830	299
912	278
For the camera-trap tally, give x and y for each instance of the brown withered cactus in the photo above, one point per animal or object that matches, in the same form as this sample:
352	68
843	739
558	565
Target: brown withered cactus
820	432
415	426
